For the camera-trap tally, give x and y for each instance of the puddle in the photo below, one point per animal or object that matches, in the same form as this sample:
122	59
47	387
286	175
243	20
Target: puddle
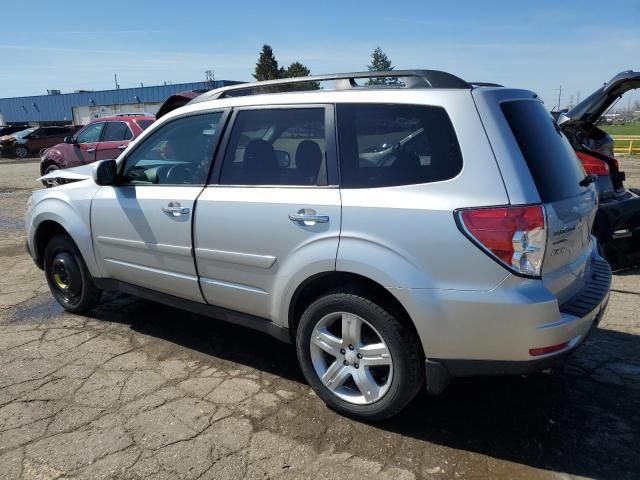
10	190
11	223
37	309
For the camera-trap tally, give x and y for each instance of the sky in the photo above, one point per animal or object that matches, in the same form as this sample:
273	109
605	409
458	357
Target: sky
535	45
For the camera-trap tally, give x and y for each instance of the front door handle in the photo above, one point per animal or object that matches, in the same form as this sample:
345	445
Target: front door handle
91	150
121	147
308	217
175	210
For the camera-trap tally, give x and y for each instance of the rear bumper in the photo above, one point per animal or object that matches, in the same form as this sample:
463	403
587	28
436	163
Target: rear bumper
493	333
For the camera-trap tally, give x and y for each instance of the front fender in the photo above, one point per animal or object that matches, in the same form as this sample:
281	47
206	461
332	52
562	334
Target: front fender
70	207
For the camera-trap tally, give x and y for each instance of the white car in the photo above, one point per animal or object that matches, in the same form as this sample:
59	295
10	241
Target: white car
398	236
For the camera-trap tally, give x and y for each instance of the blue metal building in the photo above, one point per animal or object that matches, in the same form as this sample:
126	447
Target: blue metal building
60	107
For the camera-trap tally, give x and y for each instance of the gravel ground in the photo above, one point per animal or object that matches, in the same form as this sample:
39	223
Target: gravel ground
138	390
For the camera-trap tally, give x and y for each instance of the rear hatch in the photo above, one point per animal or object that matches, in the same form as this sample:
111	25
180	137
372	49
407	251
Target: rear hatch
570	207
595	105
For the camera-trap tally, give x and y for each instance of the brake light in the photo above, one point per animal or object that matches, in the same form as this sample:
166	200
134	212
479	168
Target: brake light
516	236
593	165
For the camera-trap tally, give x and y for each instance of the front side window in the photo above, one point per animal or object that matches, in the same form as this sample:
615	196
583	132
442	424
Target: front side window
390	145
91	134
276	147
116	132
178	153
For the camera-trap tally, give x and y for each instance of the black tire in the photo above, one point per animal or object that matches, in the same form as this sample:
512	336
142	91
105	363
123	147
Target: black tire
21	151
408	373
69	280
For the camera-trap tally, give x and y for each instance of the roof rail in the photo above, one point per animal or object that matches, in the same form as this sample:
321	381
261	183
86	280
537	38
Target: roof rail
346	81
485	84
134	114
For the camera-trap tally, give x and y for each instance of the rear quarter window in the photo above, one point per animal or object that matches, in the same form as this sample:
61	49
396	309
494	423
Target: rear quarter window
385	145
553	163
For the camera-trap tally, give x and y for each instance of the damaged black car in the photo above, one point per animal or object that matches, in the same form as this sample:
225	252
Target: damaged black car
617	224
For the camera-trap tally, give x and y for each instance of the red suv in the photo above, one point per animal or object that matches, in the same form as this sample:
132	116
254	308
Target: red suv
102	139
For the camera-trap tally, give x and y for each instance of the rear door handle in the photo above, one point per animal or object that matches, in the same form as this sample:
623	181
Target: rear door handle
91	150
308	217
121	147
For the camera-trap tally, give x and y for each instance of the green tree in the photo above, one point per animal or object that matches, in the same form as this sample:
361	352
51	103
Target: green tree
380	63
267	66
297	69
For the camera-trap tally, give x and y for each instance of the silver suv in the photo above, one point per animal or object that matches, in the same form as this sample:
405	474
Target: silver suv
399	234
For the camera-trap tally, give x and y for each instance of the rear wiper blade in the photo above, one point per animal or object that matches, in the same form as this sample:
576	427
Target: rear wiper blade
588	180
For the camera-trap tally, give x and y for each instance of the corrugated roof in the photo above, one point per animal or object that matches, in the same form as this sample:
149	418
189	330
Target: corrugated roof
47	108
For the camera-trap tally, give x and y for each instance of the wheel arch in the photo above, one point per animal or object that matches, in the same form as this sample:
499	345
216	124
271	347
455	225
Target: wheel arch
317	285
66	221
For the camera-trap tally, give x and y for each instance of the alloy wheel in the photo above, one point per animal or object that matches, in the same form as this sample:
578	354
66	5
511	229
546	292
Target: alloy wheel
21	152
351	358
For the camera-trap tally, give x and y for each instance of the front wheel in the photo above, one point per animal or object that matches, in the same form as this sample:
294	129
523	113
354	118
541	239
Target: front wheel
21	152
69	279
360	360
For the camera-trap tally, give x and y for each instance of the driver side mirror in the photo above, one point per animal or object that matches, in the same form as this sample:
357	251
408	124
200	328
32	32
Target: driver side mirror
105	172
70	140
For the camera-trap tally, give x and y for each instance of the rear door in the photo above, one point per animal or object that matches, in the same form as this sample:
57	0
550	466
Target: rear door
115	138
272	209
570	207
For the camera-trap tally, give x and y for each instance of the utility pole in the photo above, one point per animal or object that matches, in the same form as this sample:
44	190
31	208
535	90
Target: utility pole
115	79
559	97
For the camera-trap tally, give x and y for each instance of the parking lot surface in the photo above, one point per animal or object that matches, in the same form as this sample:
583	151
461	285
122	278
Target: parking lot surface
139	390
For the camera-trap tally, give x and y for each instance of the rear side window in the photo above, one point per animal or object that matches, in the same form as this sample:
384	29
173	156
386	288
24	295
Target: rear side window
116	132
391	145
552	162
144	124
276	147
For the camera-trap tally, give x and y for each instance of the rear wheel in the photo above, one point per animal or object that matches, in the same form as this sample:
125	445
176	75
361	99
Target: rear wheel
69	280
22	151
359	359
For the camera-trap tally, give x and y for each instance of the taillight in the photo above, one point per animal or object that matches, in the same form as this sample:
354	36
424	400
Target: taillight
515	236
593	165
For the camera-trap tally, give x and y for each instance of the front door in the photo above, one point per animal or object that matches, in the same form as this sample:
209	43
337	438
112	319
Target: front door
86	144
269	213
142	227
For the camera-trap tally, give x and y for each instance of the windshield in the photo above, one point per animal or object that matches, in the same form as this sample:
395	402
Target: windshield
24	133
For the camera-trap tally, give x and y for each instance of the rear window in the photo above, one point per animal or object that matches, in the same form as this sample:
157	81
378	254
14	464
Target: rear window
390	145
552	162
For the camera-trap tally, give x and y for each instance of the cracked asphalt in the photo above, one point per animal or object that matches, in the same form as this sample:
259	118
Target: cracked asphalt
139	390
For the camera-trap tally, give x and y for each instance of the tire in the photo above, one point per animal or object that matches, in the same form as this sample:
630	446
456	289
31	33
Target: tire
69	280
395	376
21	151
50	168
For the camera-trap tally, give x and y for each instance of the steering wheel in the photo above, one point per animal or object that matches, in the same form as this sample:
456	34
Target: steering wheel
181	174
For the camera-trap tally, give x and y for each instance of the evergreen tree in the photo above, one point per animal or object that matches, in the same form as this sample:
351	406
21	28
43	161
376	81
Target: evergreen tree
297	69
380	63
267	66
